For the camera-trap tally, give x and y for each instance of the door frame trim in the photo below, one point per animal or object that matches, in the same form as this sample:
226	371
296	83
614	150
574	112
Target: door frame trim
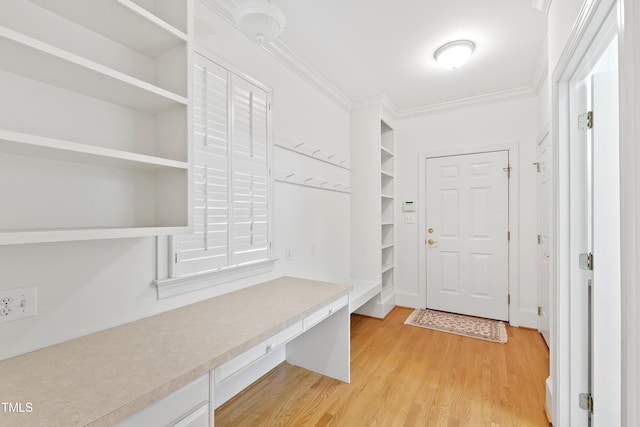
514	161
582	49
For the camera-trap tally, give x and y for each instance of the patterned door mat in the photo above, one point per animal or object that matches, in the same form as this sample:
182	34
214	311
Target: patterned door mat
467	326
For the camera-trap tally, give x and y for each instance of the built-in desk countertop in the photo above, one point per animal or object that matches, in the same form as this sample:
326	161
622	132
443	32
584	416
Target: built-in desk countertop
104	377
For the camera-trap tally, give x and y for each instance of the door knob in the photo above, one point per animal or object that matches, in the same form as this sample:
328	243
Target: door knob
432	242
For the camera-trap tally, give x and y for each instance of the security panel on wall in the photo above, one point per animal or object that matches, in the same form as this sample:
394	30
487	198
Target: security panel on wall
409	207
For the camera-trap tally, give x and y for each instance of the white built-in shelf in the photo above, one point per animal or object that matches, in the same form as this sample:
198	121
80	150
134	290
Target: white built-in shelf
386	152
43	62
137	28
386	196
387	245
387	223
362	291
386	268
386	174
38	146
94	130
23	236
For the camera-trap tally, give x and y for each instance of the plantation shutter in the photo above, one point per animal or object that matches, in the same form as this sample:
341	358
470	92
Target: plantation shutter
250	173
231	182
207	248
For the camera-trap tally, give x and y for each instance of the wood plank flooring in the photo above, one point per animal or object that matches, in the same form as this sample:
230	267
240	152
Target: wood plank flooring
406	376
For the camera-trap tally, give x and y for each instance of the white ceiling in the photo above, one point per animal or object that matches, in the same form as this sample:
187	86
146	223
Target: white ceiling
369	48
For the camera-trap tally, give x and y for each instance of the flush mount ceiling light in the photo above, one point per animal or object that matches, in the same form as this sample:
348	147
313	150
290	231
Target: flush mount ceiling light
260	20
454	54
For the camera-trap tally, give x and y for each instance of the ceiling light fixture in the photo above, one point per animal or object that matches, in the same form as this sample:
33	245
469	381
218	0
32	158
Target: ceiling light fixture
454	54
260	20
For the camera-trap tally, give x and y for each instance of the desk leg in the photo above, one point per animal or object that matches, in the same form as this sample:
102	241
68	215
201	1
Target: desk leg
325	348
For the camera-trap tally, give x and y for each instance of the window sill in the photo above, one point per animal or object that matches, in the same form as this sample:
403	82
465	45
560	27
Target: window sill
174	286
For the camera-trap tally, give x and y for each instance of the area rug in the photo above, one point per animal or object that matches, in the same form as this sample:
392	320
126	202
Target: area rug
467	326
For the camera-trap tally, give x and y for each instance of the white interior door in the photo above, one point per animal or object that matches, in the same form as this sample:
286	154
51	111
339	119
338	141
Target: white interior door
545	191
606	304
467	217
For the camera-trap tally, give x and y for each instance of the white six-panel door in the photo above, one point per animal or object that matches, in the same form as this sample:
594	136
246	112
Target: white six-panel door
467	217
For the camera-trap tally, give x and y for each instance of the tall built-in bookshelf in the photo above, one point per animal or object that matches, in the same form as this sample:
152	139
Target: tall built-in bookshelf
94	119
387	204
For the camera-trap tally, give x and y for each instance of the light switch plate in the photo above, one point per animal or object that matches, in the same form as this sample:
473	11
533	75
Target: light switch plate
409	218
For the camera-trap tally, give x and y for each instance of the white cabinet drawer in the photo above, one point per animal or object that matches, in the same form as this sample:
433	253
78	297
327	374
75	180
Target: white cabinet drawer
234	365
174	408
198	418
325	312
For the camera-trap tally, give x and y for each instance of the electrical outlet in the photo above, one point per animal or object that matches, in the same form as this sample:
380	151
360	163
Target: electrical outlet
17	304
288	254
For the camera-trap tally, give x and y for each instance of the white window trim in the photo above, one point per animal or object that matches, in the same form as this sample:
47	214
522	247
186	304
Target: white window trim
174	286
168	286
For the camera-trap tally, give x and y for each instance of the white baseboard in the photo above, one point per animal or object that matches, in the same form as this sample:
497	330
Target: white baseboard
549	397
407	300
527	318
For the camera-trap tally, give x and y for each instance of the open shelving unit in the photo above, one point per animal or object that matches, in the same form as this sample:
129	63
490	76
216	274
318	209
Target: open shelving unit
94	119
387	203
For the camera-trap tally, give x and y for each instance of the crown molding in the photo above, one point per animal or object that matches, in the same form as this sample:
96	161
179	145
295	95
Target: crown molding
541	5
541	71
289	58
506	95
295	63
381	101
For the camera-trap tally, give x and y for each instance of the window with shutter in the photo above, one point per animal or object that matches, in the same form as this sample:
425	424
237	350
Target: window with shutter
231	180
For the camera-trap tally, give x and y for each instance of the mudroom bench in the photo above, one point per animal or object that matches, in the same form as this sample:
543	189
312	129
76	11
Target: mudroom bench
176	367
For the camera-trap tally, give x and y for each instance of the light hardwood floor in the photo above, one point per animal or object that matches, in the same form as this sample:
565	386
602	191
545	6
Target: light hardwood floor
406	376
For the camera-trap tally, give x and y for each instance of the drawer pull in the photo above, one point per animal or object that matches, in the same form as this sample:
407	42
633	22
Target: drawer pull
331	310
270	347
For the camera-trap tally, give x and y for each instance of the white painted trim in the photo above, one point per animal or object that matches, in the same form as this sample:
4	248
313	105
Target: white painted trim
548	386
506	95
541	5
180	285
629	37
579	45
514	215
289	58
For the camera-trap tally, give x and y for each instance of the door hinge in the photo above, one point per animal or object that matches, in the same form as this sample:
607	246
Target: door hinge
539	239
508	236
175	258
539	311
586	401
508	171
585	120
585	261
508	299
537	165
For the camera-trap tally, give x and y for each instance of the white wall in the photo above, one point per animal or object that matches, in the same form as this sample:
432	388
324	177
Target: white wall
84	287
562	16
504	122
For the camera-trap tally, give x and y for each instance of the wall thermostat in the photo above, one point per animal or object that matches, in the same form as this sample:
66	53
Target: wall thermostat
408	206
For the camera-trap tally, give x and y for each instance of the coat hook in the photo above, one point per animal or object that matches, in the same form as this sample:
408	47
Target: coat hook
314	153
289	176
302	143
